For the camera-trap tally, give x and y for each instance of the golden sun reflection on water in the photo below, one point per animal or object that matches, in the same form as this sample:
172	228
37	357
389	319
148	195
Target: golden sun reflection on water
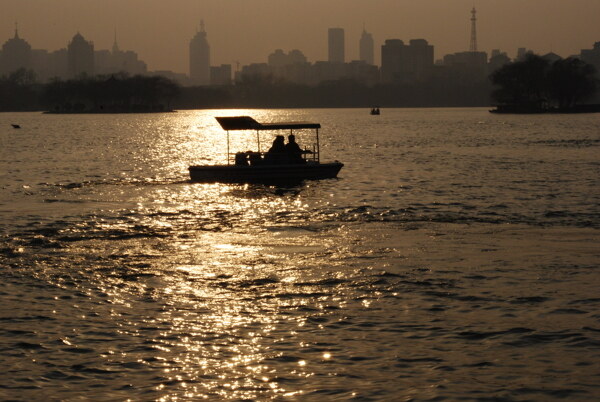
224	278
195	138
229	295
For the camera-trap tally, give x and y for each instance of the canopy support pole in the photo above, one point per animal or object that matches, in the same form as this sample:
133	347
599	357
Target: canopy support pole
318	147
227	147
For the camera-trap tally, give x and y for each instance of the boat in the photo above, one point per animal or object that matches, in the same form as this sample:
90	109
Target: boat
256	166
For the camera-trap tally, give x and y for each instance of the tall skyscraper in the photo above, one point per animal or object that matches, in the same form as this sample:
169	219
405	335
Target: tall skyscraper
80	54
200	58
336	45
16	54
366	48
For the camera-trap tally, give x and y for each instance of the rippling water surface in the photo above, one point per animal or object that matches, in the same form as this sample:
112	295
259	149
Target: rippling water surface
456	257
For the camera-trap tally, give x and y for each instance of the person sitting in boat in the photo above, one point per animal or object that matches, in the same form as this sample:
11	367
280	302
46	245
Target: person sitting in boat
293	150
277	154
241	159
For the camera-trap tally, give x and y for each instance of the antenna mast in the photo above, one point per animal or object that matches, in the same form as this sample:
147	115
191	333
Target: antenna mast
473	47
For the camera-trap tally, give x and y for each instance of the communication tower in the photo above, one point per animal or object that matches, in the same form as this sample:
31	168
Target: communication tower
473	47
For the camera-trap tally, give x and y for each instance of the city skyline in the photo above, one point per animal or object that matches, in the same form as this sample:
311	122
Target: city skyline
160	34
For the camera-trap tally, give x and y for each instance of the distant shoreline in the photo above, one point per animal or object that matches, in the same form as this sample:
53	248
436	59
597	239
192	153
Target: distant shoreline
109	112
516	109
507	109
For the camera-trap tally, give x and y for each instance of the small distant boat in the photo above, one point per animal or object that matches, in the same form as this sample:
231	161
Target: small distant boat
375	111
15	126
254	167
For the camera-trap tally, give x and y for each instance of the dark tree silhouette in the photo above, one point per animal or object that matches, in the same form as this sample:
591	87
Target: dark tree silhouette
117	93
18	91
522	83
570	81
536	85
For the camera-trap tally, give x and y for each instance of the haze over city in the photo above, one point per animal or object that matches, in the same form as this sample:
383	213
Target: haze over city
246	31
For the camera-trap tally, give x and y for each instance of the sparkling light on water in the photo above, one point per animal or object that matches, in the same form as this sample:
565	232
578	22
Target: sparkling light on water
455	258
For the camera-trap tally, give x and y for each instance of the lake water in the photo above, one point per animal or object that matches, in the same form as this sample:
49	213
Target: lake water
455	258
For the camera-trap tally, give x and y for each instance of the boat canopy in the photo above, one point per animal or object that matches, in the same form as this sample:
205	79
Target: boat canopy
248	123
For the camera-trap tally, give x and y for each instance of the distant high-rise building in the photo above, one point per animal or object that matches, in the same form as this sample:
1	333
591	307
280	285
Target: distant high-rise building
253	71
279	58
592	56
468	66
366	48
336	45
295	56
402	63
16	54
80	56
391	55
522	52
220	75
56	65
497	60
200	58
117	60
290	67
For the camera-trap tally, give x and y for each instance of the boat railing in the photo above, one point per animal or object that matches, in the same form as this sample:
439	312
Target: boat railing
252	158
311	155
248	123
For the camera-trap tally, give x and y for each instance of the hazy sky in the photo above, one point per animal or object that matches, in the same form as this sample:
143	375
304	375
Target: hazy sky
248	30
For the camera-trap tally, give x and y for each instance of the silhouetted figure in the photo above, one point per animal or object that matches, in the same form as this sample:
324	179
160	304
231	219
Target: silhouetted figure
241	159
293	151
276	154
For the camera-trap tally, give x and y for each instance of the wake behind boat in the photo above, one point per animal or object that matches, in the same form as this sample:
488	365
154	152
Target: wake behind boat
278	165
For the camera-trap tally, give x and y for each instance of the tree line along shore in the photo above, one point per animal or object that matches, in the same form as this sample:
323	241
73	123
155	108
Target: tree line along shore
532	85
